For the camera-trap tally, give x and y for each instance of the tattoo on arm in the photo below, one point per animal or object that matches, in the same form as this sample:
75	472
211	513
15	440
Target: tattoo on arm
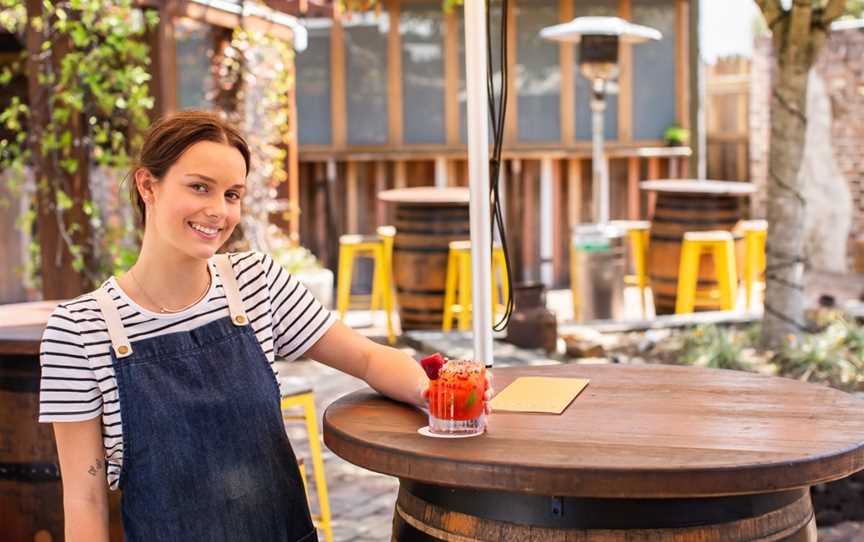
95	467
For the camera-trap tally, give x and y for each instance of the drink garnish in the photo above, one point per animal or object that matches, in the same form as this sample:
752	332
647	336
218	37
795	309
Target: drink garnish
432	365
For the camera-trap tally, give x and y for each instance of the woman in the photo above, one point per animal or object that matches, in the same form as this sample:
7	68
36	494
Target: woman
162	379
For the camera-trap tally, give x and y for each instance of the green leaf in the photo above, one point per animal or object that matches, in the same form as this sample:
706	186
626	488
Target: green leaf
64	202
472	398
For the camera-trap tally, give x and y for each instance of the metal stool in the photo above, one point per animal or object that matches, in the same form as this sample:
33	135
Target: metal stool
721	245
296	393
458	284
755	235
353	246
638	234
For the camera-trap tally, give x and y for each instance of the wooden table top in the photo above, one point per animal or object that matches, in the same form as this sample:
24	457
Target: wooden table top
635	431
21	327
427	194
698	186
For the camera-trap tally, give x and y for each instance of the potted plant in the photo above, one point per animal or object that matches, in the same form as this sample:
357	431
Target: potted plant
300	262
676	136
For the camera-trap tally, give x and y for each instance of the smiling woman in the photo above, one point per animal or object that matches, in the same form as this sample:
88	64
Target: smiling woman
162	381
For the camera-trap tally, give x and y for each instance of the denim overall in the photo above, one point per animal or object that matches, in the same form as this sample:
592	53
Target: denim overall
205	452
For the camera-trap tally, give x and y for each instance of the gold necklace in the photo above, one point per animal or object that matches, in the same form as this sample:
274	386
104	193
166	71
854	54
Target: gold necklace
165	310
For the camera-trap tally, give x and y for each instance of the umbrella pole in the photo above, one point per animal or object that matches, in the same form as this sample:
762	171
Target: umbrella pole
478	178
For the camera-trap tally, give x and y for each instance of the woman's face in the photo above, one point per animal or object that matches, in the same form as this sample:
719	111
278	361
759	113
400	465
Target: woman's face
196	206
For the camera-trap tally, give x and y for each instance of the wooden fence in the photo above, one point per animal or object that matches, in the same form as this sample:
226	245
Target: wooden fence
727	89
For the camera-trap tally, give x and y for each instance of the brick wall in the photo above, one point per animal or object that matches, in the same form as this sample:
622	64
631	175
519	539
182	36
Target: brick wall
841	66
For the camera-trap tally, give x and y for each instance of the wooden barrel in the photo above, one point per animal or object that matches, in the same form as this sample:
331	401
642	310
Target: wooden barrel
675	214
426	221
429	513
31	501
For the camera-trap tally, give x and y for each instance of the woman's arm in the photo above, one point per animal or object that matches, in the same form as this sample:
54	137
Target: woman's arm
82	467
387	370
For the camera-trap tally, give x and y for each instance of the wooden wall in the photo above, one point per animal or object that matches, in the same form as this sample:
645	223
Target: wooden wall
727	88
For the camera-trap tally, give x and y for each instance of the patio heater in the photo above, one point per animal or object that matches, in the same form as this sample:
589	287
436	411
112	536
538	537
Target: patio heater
599	247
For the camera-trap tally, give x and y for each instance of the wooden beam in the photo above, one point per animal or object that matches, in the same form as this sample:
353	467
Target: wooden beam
351	202
451	78
228	19
380	186
633	207
511	122
163	54
625	80
399	174
574	192
682	60
338	90
529	222
394	75
567	58
653	168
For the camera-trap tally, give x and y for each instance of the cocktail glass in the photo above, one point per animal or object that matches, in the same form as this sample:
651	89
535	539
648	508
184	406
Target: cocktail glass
456	398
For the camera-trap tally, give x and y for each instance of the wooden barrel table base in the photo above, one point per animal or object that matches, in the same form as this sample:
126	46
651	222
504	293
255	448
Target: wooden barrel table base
434	513
426	221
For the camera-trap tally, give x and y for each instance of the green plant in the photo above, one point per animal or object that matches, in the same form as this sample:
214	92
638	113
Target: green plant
93	83
294	258
676	135
716	347
834	356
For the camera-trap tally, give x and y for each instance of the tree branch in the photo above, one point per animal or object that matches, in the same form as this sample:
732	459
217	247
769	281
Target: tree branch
772	10
833	9
801	17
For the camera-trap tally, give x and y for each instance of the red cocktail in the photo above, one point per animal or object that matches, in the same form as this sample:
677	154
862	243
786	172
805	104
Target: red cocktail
456	395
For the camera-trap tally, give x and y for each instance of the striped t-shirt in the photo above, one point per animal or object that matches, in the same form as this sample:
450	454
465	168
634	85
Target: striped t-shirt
78	380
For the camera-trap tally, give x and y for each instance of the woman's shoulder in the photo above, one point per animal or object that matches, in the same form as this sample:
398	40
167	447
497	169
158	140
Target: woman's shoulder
78	308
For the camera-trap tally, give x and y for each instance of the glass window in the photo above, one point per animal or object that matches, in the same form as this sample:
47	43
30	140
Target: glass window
313	85
654	70
422	73
593	8
366	71
538	73
194	79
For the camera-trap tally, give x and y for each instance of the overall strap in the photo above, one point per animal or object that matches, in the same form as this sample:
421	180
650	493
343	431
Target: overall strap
232	291
116	331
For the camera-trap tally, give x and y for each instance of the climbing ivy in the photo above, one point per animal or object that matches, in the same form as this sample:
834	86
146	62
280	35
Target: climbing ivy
93	69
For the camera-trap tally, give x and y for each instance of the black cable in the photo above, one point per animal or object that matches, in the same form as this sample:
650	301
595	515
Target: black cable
498	113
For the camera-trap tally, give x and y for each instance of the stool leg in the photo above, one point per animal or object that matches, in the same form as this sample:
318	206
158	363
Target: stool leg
727	277
318	466
343	290
688	273
465	292
749	267
450	291
639	242
377	293
386	292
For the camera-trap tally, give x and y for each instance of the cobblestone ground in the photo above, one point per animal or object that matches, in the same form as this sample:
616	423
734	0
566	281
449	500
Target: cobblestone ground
362	501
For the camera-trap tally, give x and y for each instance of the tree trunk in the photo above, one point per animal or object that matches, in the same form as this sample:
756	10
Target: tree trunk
784	290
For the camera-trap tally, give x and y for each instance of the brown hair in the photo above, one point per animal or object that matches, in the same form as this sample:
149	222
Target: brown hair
170	136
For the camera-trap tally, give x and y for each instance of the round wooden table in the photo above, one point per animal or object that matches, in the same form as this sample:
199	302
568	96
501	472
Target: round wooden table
427	219
31	502
682	205
663	452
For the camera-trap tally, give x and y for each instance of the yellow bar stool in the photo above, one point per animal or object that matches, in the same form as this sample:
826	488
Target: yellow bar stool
354	246
755	234
387	234
296	393
457	290
638	235
721	245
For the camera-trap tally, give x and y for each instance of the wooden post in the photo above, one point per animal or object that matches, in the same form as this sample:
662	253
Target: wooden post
451	78
682	61
394	74
163	67
399	174
529	224
567	58
511	122
293	157
633	203
351	200
558	226
380	185
60	280
338	92
625	80
574	193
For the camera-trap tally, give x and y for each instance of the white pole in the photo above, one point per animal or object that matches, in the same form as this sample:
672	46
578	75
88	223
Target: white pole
599	174
478	178
547	217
